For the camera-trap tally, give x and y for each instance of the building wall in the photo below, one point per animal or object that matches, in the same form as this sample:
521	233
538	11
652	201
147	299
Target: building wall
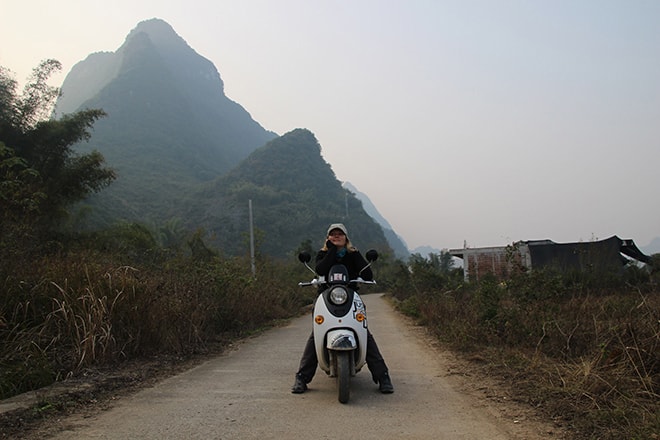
499	261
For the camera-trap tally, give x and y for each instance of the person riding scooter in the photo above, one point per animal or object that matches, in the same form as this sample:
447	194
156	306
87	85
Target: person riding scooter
338	250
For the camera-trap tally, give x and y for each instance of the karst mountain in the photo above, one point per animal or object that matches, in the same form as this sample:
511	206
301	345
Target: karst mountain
185	153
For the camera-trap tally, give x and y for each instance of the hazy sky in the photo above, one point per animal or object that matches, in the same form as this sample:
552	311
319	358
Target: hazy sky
486	121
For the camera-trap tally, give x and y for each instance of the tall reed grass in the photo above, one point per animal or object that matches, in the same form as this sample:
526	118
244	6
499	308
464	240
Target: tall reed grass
64	312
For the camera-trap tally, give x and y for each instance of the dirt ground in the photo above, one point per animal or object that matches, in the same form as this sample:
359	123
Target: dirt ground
244	393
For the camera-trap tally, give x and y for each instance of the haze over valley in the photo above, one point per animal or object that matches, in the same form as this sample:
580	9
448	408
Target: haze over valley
462	123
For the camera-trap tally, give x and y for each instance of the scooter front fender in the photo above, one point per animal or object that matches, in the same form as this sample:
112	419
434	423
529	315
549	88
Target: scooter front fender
341	340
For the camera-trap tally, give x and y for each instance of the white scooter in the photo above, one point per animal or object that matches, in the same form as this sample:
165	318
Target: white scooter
340	323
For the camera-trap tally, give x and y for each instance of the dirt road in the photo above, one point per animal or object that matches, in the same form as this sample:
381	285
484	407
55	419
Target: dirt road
245	394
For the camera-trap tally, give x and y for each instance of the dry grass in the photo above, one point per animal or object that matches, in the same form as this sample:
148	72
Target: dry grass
587	355
67	312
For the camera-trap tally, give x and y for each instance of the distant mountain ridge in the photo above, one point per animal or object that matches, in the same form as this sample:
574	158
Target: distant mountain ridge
652	248
86	79
397	243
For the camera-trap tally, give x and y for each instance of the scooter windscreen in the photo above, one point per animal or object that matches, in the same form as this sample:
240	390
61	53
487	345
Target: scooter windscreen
338	275
338	296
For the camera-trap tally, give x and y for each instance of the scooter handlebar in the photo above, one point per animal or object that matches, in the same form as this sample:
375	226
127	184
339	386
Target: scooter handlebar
316	282
361	281
310	283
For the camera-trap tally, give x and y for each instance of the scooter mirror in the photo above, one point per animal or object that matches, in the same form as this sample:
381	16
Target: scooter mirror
304	257
372	255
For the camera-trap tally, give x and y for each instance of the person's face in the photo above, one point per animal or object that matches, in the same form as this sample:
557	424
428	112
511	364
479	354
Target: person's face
337	237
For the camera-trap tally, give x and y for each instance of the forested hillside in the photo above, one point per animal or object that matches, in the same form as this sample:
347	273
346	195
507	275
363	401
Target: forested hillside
295	196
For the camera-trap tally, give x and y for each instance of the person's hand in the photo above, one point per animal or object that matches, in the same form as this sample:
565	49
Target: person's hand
329	245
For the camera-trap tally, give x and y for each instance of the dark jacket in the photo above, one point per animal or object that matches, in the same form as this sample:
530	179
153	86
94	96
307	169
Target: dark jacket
354	262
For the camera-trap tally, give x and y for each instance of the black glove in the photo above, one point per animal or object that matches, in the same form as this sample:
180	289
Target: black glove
329	245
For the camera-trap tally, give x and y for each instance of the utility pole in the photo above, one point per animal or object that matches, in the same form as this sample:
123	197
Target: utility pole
254	269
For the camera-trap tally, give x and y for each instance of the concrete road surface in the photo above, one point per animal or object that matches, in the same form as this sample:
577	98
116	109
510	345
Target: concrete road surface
245	394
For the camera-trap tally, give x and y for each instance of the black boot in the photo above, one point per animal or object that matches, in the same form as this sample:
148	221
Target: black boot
299	386
385	384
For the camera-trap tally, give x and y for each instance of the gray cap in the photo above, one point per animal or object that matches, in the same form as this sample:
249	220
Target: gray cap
339	226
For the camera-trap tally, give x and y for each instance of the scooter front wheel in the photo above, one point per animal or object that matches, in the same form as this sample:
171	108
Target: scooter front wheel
343	376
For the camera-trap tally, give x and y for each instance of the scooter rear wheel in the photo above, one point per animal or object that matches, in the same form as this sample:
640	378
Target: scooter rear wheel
343	376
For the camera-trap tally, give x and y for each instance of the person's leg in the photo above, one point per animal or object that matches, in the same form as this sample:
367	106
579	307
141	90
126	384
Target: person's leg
377	366
308	364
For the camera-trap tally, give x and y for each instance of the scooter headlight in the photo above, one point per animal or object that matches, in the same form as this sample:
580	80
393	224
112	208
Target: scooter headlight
338	295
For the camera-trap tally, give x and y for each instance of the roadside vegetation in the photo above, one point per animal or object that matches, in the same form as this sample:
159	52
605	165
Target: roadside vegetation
584	349
82	306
